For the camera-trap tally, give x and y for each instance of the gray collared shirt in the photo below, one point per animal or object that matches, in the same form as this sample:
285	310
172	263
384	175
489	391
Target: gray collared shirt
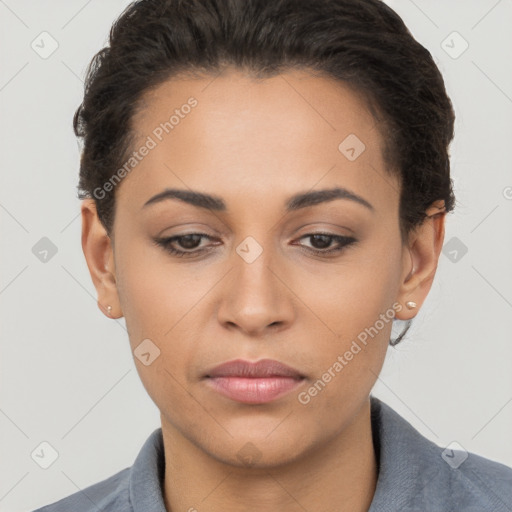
415	475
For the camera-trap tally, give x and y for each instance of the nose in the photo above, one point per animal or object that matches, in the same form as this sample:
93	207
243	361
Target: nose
255	297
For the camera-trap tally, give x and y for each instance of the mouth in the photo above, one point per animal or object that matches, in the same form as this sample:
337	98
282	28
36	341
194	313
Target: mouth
254	383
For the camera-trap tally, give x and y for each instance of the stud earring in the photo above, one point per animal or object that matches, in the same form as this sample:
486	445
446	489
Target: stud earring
411	304
109	310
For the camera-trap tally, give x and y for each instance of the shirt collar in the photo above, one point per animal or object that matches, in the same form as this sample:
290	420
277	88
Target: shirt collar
404	460
147	476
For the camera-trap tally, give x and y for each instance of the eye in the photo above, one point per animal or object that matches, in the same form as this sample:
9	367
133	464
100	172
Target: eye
188	242
322	241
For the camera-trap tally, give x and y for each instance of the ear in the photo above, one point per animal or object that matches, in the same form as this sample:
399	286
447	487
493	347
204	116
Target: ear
99	255
420	259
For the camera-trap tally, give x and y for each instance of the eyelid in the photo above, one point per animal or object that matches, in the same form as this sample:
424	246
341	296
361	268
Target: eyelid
325	228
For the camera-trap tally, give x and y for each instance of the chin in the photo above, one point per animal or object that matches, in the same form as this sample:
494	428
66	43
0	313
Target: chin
258	452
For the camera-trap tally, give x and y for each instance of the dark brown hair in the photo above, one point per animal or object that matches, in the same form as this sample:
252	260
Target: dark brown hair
361	43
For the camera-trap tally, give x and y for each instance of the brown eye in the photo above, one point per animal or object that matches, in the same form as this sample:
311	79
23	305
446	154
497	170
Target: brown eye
189	243
320	243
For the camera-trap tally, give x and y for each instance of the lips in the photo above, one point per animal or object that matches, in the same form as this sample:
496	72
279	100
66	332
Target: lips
253	383
260	369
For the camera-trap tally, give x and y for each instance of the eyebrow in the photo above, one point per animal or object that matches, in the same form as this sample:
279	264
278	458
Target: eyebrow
296	202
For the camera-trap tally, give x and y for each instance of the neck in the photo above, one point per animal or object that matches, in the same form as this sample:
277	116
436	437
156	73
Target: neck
339	475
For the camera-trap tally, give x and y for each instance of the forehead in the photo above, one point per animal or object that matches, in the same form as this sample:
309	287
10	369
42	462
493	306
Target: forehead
234	132
296	100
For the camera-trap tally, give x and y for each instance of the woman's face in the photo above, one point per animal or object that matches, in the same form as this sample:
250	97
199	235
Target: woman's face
252	286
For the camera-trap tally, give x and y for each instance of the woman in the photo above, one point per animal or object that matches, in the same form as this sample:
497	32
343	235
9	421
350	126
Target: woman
265	185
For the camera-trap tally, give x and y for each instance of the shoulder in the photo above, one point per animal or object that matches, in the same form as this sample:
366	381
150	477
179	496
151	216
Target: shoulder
486	478
111	494
137	487
417	474
469	481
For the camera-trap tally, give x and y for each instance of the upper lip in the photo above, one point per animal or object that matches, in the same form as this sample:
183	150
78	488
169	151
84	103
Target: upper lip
262	368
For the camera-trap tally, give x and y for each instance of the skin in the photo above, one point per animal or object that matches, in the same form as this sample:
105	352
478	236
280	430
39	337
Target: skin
255	144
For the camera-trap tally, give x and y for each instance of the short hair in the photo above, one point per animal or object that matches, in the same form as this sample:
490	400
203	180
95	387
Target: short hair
363	44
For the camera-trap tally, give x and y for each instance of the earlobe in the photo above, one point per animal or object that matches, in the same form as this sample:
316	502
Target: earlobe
99	256
421	256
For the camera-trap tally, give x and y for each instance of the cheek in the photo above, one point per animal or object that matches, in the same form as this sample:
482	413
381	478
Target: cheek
355	300
358	308
155	303
154	294
350	296
161	303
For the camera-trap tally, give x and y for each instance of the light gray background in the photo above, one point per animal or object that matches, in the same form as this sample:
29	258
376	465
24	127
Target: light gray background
67	375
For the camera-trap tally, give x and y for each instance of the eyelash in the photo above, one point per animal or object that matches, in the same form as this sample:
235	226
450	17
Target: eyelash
344	242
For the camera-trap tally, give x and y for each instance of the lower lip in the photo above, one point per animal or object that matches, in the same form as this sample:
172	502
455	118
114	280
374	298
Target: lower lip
254	390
